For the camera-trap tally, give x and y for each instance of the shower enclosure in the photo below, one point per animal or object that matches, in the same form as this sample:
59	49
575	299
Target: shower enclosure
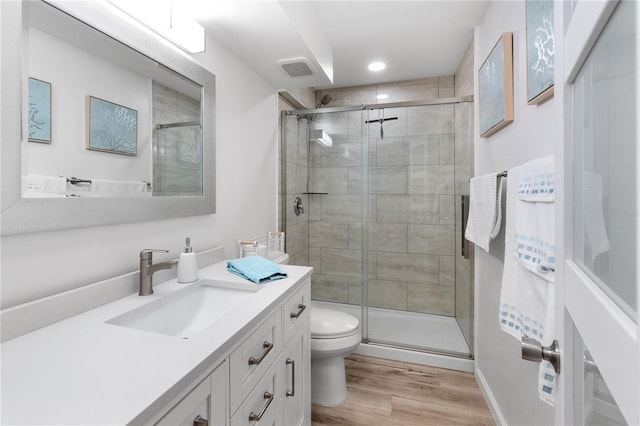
382	189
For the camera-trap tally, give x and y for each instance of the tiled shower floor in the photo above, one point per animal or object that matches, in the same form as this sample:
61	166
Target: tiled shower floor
409	329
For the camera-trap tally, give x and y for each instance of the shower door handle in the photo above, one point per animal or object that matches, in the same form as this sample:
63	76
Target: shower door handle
464	213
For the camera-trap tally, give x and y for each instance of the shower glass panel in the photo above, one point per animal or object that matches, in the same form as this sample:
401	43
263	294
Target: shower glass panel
335	208
411	231
382	216
177	159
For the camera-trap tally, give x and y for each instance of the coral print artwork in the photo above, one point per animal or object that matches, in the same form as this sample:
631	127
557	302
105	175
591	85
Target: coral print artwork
111	127
540	51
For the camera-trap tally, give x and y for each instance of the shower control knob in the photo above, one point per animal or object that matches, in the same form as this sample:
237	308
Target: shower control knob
298	207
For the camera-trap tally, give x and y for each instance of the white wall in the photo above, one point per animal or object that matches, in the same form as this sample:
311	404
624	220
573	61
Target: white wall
535	132
77	74
41	264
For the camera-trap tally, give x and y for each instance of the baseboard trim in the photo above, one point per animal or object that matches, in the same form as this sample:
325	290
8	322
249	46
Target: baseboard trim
494	408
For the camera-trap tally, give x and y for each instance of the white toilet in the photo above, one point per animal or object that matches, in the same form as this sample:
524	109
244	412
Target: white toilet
334	335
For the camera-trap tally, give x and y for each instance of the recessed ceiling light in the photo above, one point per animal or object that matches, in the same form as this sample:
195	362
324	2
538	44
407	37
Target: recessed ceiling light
377	66
383	96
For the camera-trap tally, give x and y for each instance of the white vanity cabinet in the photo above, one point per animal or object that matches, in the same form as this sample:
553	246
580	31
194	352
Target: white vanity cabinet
204	405
253	357
265	380
249	367
263	405
296	359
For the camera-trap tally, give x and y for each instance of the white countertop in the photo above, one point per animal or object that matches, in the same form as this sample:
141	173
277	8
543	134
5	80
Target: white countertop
84	371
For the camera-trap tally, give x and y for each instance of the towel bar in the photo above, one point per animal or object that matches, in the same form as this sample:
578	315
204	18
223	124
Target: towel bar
75	181
503	174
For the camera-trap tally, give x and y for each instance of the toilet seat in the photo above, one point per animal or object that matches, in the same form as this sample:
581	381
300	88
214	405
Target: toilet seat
330	324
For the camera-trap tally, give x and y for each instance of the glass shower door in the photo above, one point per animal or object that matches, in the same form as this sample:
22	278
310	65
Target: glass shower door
379	219
411	229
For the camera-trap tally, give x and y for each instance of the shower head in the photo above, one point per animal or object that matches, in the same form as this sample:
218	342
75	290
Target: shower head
324	101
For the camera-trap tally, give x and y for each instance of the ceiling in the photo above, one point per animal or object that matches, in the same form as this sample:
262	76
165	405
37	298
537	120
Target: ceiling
416	39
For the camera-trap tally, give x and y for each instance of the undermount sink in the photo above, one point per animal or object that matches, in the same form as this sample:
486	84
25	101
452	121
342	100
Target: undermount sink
188	311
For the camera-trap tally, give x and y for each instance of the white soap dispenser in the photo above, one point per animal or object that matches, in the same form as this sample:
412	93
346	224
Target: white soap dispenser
187	264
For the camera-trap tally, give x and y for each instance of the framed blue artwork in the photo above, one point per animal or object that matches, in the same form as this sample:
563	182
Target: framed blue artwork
111	127
39	111
495	81
540	51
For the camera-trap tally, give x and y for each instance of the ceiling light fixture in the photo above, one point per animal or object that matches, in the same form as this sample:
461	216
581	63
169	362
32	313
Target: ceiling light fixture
167	20
185	33
377	66
382	96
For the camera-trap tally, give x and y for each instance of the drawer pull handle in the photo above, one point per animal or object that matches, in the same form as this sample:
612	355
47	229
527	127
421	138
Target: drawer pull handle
253	417
292	392
301	309
199	421
266	345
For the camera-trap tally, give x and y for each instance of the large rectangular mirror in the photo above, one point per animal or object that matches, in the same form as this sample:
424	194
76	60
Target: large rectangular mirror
114	124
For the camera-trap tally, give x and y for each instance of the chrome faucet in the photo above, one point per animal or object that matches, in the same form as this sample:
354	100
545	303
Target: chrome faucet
147	268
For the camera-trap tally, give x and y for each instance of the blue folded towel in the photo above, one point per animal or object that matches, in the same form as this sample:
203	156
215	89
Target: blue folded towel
256	269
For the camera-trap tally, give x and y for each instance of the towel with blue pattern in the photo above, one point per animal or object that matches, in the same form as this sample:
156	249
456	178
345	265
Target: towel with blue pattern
535	218
527	296
537	181
256	268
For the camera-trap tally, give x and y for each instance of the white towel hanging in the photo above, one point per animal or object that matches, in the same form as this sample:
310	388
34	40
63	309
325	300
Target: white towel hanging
527	296
104	185
485	212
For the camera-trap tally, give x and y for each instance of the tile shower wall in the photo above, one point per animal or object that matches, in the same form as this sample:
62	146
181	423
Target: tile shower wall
402	91
294	164
411	210
177	158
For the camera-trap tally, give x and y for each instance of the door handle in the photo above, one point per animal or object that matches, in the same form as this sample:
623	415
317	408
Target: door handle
590	365
532	350
464	213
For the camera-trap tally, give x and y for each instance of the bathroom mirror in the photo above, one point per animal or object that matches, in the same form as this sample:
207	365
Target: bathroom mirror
96	102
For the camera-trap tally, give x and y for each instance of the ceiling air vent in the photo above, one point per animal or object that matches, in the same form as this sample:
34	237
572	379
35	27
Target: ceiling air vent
297	67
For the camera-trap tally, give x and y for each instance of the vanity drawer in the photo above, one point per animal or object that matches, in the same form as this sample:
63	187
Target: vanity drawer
263	402
250	361
295	311
204	403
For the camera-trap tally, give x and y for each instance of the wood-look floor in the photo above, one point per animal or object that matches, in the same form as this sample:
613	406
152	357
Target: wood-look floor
384	392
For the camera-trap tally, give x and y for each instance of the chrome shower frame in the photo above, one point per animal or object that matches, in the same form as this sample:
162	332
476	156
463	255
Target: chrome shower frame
458	360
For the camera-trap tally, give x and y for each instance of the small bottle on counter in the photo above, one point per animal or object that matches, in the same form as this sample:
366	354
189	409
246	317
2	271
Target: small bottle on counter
187	264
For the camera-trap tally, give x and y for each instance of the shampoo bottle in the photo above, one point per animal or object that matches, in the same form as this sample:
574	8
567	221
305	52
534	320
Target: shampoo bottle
187	264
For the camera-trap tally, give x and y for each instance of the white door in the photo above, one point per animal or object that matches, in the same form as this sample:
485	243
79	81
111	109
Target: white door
599	382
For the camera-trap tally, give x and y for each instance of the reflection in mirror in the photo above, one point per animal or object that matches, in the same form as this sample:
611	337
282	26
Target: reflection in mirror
120	124
177	156
96	75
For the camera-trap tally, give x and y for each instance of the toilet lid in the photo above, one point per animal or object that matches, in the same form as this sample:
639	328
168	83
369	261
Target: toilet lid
328	323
